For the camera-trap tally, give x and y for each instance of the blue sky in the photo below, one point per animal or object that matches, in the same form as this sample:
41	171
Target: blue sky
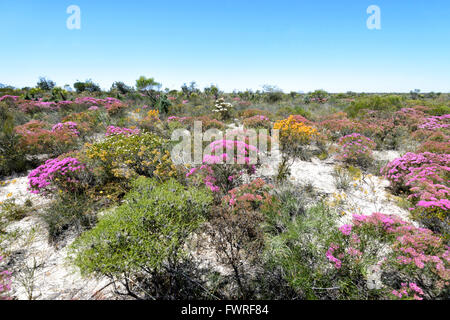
296	45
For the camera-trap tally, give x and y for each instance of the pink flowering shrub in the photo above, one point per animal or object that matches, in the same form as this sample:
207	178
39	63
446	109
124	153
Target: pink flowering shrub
258	121
415	255
435	147
223	167
116	109
29	106
94	101
425	178
57	174
70	125
250	197
436	142
356	148
398	171
37	106
112	130
409	117
35	138
436	122
9	98
5	283
339	126
407	291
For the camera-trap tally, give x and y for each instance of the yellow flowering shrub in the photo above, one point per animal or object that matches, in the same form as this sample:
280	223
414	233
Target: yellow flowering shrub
294	136
293	131
125	157
151	122
152	115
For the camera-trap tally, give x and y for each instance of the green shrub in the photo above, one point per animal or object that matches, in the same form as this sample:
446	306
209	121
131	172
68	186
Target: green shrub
375	102
341	178
145	236
439	110
69	211
11	211
12	156
300	251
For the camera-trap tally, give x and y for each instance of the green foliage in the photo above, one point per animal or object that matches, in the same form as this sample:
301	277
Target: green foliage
69	211
12	156
163	104
319	94
272	94
121	87
11	211
148	230
87	86
59	94
45	84
341	178
147	84
300	249
439	110
374	102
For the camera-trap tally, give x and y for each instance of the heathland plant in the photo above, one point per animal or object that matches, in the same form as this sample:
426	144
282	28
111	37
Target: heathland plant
294	137
123	156
145	236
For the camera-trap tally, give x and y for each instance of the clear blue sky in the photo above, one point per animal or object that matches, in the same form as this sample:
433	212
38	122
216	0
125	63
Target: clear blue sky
236	44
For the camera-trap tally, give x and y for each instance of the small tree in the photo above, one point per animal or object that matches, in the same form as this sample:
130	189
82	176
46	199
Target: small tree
189	90
147	84
88	86
121	87
213	90
45	84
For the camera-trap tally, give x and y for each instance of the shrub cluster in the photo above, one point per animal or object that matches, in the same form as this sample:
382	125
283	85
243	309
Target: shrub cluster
356	149
144	237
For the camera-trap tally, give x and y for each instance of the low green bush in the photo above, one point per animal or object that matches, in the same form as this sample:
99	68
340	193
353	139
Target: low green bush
12	156
375	102
144	237
69	212
299	251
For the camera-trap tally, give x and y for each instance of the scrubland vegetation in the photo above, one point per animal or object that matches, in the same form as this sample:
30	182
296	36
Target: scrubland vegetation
100	163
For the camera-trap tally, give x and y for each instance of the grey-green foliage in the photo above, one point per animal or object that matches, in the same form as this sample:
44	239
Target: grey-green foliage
299	251
145	233
12	157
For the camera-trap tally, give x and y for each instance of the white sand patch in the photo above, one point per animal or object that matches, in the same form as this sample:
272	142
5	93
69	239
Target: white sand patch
386	155
40	270
365	196
16	187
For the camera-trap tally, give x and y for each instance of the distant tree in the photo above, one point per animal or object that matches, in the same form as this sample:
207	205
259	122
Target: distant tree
88	86
59	94
45	84
163	104
6	87
272	93
319	94
121	87
189	90
212	90
415	94
147	84
68	88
